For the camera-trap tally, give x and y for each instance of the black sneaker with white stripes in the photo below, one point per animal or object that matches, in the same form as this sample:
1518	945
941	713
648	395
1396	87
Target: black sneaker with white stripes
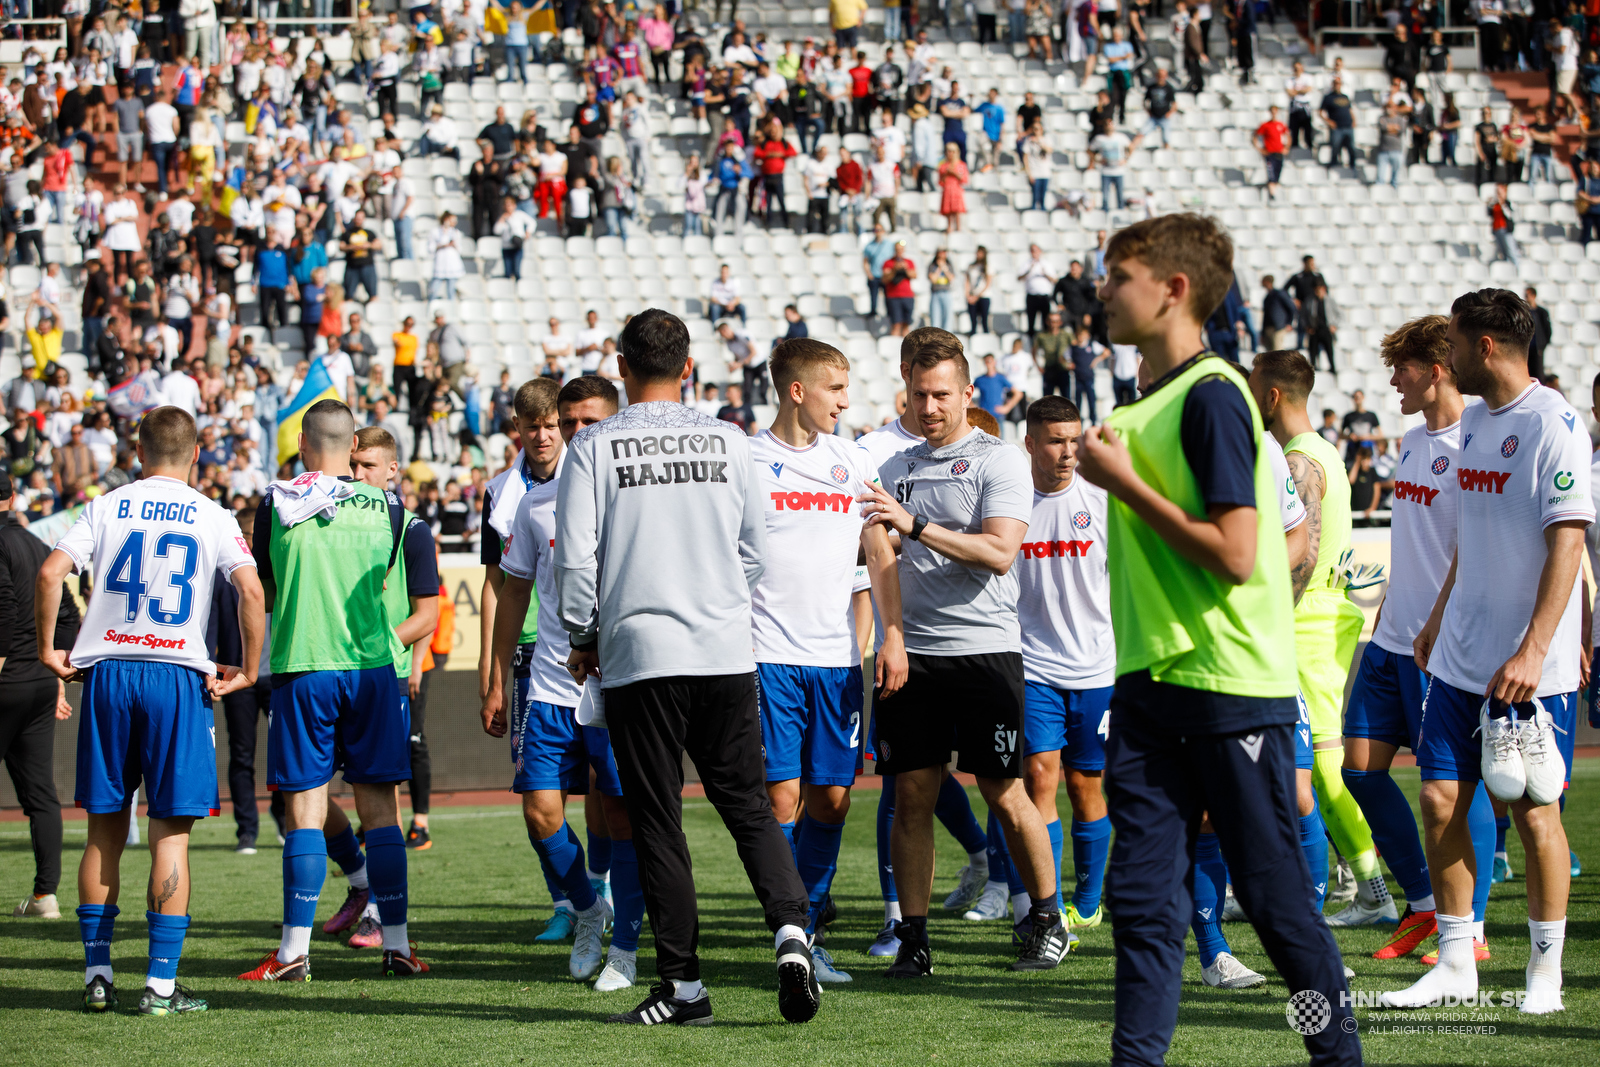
663	1006
1045	941
914	959
799	995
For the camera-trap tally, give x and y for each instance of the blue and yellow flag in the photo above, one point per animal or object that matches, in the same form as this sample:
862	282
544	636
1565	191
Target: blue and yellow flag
318	386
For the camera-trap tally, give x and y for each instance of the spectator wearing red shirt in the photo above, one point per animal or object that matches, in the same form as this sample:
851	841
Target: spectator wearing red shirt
772	155
57	168
897	295
851	182
861	94
1270	138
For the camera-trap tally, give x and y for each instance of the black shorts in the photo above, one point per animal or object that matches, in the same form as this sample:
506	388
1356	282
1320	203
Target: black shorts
900	309
972	705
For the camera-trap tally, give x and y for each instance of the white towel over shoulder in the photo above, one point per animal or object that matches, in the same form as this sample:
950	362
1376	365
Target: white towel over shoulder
310	495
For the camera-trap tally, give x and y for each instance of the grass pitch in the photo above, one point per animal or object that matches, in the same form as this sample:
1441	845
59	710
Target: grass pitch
477	900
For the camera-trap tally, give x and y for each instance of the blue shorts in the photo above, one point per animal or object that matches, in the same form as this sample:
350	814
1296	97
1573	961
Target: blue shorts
1448	745
1386	700
605	94
325	721
1305	757
810	722
1070	720
151	723
550	750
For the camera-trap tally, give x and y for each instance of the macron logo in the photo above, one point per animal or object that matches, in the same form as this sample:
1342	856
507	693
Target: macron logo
1205	913
1476	481
1251	743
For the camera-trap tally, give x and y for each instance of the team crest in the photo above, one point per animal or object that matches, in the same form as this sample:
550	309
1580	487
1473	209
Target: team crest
1508	447
1080	519
1441	464
839	473
959	466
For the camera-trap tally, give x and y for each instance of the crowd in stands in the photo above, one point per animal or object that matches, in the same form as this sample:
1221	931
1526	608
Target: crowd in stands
198	201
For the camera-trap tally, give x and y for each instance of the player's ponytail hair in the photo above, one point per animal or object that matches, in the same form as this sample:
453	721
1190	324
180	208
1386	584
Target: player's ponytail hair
167	437
799	358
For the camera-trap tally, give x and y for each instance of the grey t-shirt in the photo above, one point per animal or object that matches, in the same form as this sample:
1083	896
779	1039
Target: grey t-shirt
130	114
951	609
660	538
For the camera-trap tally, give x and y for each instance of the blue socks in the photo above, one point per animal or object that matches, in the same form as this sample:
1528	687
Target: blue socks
600	853
1314	843
885	823
818	861
1483	827
386	870
789	835
1054	830
305	867
166	948
955	811
97	924
627	897
345	850
565	856
1502	823
1394	828
1091	844
1210	888
1000	865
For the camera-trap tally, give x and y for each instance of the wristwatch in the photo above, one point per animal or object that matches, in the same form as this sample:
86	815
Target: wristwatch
918	524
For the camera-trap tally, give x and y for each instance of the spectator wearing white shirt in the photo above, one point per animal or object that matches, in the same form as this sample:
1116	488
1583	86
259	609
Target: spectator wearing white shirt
816	173
725	298
1039	281
591	342
439	135
747	359
161	119
883	182
740	53
181	390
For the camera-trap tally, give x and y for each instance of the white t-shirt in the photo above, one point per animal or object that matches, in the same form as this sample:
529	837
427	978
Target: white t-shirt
340	368
1064	602
1591	540
1125	362
1422	533
800	610
893	141
771	87
181	212
1289	509
882	175
1521	468
591	336
181	391
529	553
1293	84
1567	50
1113	150
158	118
157	547
1036	278
816	174
121	218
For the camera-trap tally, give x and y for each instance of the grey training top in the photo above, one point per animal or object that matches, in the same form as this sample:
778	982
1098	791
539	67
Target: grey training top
660	539
951	609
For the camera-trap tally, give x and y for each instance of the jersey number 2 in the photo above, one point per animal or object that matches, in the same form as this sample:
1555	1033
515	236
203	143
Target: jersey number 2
125	576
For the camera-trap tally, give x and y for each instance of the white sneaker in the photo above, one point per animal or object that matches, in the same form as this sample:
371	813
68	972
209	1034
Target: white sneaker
1226	972
1342	890
33	907
1543	767
1231	911
1543	995
588	930
622	969
1504	774
1362	914
968	890
822	965
1349	973
991	905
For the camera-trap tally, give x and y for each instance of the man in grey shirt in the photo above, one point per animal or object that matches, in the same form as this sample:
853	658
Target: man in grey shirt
130	130
452	351
960	501
660	538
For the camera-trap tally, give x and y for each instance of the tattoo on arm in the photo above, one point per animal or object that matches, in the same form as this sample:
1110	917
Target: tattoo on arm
1309	483
169	889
